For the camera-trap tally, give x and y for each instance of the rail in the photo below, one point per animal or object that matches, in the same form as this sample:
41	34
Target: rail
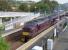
10	32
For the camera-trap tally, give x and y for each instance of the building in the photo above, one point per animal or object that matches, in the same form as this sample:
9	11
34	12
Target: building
10	19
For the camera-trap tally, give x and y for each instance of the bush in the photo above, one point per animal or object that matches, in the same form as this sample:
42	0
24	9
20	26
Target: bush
65	24
3	44
2	28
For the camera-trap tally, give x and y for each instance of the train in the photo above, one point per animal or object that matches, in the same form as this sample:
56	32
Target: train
33	28
36	26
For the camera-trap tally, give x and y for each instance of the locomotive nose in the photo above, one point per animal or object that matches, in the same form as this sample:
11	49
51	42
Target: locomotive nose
25	33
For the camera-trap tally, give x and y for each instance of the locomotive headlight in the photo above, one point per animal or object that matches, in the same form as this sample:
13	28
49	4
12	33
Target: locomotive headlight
25	33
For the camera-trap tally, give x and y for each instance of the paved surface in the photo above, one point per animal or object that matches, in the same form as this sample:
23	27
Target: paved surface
62	42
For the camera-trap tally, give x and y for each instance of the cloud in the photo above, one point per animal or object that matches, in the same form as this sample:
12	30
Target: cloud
36	0
62	1
30	0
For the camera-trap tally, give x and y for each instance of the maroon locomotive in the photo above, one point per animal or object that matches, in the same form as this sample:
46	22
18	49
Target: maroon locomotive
34	27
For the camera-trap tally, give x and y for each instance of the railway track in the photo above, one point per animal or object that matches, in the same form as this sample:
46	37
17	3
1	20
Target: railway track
14	39
14	42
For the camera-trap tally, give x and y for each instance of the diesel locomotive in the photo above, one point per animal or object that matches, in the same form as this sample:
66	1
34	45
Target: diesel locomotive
34	27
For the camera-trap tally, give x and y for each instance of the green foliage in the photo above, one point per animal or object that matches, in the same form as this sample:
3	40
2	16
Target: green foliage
4	5
51	4
41	6
2	28
32	8
65	24
3	44
23	7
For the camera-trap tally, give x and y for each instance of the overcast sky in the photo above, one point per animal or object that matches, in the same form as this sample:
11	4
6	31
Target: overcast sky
32	0
60	1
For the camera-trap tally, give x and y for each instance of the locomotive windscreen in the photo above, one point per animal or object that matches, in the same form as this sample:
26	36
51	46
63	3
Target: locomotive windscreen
26	29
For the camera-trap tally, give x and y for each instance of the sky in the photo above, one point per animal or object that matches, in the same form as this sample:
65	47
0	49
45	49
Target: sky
62	1
32	0
36	0
59	1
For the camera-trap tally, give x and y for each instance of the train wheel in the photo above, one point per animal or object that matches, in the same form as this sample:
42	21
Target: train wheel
25	39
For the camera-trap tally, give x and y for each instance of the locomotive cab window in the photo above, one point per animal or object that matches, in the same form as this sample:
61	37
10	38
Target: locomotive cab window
26	29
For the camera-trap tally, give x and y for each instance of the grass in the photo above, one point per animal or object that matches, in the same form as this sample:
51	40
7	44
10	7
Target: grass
3	44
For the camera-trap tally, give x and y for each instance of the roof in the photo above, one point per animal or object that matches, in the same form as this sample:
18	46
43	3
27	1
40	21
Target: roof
36	21
15	14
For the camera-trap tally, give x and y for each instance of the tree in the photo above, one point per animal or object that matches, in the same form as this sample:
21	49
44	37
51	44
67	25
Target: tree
4	6
42	6
47	5
53	5
2	28
23	7
3	44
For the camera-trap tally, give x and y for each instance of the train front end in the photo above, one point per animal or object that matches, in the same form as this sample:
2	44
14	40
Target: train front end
26	34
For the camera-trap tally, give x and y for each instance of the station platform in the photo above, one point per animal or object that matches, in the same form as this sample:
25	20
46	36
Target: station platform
62	41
